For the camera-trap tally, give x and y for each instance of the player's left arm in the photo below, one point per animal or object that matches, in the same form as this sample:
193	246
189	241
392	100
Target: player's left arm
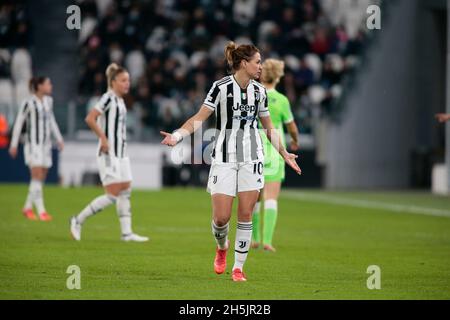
293	132
275	140
291	126
55	128
189	127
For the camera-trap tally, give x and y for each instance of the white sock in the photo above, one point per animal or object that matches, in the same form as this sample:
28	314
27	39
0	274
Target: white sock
29	200
96	205
220	234
271	204
124	212
36	195
242	244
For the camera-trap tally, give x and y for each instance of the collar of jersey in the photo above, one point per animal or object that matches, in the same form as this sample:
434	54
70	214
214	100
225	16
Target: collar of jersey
234	79
35	97
111	92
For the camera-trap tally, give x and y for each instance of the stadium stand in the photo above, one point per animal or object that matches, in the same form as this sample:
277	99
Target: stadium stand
15	59
176	52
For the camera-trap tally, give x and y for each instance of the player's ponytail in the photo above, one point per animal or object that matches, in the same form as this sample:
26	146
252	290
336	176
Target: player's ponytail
234	54
35	82
272	71
112	71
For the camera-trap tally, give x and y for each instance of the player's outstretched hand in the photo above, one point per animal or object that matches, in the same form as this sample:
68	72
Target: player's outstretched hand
289	158
13	152
61	145
442	117
169	139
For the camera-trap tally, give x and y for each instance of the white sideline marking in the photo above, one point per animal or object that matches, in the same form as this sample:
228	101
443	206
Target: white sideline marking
401	208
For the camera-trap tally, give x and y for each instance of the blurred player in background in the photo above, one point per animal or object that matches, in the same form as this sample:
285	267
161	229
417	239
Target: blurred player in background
442	117
108	121
237	166
37	115
280	113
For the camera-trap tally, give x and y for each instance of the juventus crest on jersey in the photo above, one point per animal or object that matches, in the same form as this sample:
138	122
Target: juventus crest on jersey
39	120
112	121
237	110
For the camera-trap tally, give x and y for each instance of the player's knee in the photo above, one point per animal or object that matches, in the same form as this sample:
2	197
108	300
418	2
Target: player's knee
245	215
125	193
111	197
220	222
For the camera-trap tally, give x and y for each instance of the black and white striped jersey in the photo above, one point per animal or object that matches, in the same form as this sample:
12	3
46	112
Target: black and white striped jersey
237	110
113	122
39	120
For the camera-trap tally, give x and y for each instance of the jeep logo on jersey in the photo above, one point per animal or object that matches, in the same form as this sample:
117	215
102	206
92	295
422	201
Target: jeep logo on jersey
244	107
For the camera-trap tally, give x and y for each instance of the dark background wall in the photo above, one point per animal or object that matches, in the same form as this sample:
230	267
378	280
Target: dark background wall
387	136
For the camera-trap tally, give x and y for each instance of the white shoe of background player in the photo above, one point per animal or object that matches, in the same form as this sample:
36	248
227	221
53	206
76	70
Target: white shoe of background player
75	229
134	237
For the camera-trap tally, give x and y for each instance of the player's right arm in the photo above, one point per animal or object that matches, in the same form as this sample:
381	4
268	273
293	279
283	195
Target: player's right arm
442	117
91	121
206	110
21	116
293	132
288	120
189	127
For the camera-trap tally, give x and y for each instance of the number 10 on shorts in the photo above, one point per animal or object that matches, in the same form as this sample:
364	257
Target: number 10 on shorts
258	168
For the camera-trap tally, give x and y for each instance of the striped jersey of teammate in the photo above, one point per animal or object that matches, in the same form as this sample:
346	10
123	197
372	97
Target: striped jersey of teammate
113	122
39	120
237	111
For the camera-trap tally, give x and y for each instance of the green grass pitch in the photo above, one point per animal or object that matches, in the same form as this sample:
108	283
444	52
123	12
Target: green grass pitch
324	248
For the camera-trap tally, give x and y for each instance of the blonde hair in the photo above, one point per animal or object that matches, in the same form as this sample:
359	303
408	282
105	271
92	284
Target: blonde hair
272	71
234	54
112	71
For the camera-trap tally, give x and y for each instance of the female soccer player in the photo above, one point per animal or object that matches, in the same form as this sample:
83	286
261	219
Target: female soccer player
237	167
37	113
108	121
280	113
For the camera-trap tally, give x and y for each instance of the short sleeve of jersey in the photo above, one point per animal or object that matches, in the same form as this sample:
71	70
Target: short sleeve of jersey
49	101
104	103
264	106
212	98
286	112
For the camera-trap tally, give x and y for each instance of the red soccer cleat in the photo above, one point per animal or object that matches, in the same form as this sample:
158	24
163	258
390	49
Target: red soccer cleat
29	214
44	216
238	276
220	261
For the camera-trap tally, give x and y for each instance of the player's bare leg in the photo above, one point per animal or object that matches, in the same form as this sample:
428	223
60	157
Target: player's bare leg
256	219
222	205
271	193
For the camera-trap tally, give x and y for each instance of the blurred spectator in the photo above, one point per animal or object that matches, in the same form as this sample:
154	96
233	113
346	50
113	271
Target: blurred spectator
4	139
174	49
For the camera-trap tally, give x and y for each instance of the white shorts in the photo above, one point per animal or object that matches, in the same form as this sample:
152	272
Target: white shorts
113	169
38	156
232	178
